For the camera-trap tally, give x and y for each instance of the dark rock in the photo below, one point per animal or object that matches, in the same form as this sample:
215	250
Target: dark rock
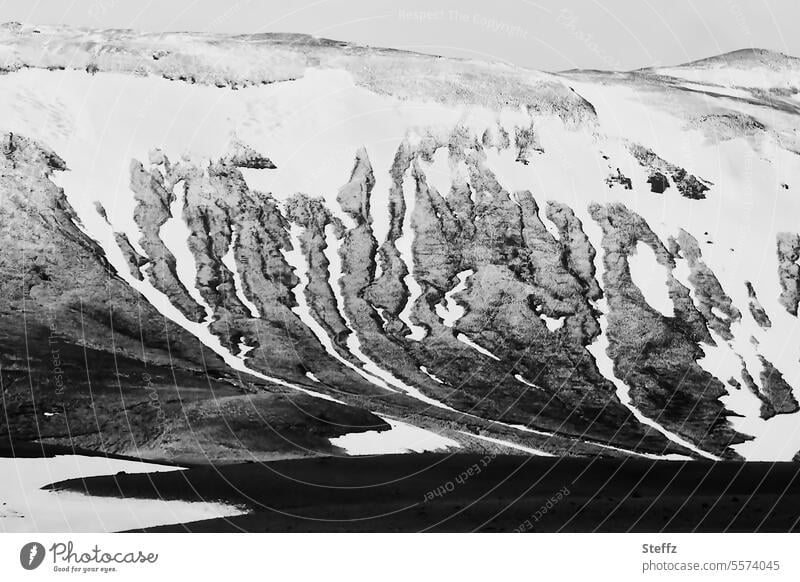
687	184
712	301
777	396
658	182
619	178
756	309
788	249
657	357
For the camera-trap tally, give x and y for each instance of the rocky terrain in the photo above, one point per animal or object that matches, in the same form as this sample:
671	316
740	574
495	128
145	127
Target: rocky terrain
229	248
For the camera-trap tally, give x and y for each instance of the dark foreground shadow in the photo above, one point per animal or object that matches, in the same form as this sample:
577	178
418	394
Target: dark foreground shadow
471	492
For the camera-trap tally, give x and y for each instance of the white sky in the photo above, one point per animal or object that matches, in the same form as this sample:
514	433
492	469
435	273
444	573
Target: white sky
540	34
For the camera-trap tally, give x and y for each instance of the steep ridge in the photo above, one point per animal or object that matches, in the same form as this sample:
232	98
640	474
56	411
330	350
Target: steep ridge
87	361
459	254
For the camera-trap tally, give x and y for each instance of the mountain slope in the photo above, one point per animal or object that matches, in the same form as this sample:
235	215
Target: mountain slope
591	263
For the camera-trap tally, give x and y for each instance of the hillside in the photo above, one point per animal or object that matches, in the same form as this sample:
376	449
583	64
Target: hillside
356	239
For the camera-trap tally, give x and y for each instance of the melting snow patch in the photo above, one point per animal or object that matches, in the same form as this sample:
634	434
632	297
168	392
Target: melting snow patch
298	262
437	173
175	233
244	349
405	246
651	279
353	343
451	311
535	452
465	340
30	509
401	438
598	349
552	323
519	378
229	260
431	376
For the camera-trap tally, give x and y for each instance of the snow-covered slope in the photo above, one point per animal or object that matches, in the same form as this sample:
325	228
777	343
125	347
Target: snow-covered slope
626	244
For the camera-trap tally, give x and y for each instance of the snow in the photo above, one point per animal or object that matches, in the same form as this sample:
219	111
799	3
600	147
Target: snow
312	127
717	90
553	323
98	124
296	259
28	508
732	76
401	438
651	279
174	233
509	444
229	260
451	311
465	340
353	343
437	172
578	189
244	349
519	378
743	211
405	245
436	379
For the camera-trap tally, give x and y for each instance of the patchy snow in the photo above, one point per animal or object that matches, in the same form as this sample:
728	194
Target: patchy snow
553	323
732	76
465	340
174	233
244	349
299	263
741	214
651	279
436	379
312	377
718	90
401	438
229	260
599	349
311	128
578	189
509	444
669	457
353	343
405	245
437	172
28	508
519	378
451	311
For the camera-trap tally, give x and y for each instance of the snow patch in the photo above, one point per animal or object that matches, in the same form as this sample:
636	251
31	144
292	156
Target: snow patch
651	279
405	246
297	260
519	378
465	340
29	508
401	438
431	376
229	260
437	172
553	323
353	343
509	444
175	233
451	311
